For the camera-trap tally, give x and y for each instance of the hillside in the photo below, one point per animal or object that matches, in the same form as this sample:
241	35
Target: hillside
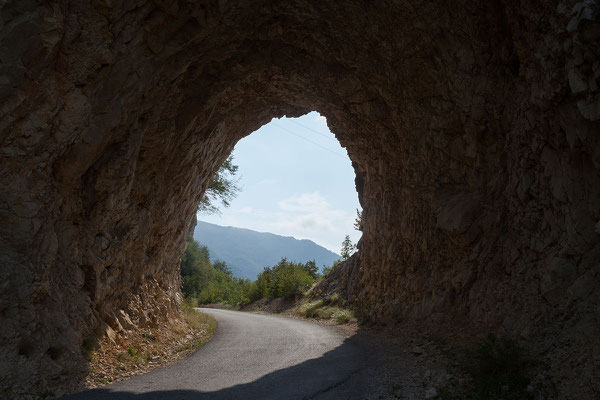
247	252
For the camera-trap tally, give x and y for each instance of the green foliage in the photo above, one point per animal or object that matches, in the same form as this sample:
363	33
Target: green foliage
499	367
334	298
358	220
259	289
318	309
222	266
309	309
342	316
196	269
361	309
223	188
198	320
311	268
288	278
327	270
207	282
347	248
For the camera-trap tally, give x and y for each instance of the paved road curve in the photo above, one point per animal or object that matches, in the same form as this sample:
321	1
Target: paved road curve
251	356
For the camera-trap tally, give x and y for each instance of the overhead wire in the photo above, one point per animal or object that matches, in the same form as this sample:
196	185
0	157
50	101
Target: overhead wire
315	131
308	140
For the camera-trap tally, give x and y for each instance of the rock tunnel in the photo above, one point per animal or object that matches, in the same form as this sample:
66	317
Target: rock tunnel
472	127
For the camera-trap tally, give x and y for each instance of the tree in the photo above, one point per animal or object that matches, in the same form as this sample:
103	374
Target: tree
358	220
222	188
289	278
196	268
223	267
311	268
327	270
347	248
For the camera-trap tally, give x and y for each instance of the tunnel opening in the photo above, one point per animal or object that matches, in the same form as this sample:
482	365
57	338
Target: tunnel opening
280	213
295	180
478	180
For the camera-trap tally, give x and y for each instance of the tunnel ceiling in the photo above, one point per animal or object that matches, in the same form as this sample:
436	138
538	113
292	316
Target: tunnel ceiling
472	127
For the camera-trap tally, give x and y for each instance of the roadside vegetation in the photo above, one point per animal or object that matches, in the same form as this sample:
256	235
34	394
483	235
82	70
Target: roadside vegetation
207	282
212	282
326	309
142	351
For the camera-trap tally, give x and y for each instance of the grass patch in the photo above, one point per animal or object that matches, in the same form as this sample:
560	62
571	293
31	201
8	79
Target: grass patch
319	310
308	310
134	356
197	320
362	311
325	312
149	335
342	316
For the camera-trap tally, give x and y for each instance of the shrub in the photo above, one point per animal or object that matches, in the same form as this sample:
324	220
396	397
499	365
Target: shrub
132	351
308	309
288	279
326	312
342	316
361	310
499	367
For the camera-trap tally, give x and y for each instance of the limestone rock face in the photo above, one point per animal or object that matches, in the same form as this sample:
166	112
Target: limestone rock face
472	127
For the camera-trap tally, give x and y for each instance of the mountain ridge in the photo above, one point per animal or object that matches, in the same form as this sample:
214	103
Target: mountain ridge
247	251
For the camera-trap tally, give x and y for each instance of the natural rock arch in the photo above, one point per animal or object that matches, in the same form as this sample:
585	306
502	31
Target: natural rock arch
476	166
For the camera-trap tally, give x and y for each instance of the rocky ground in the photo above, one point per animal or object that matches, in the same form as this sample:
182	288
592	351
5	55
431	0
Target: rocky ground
472	127
134	352
406	363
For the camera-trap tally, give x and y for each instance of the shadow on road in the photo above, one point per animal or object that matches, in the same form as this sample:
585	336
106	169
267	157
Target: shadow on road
302	381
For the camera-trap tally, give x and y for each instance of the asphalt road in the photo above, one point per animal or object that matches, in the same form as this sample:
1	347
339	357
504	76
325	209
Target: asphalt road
252	356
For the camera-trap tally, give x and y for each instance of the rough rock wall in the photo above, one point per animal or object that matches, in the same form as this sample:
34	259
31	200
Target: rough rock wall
472	127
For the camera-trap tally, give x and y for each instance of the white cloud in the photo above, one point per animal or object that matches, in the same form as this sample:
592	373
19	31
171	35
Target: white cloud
310	216
303	216
306	202
267	182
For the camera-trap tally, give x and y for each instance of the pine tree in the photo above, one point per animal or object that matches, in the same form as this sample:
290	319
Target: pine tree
347	248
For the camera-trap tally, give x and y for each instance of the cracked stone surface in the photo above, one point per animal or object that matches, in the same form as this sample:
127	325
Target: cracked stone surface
472	127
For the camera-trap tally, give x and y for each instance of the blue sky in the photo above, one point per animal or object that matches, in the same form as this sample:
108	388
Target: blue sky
296	180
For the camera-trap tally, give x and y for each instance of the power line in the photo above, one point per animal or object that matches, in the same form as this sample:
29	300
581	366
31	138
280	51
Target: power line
315	131
308	140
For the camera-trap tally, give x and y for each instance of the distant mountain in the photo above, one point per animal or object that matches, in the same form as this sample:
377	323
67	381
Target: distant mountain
247	252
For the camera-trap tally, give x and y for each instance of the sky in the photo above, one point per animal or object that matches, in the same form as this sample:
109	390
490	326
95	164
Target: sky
296	180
